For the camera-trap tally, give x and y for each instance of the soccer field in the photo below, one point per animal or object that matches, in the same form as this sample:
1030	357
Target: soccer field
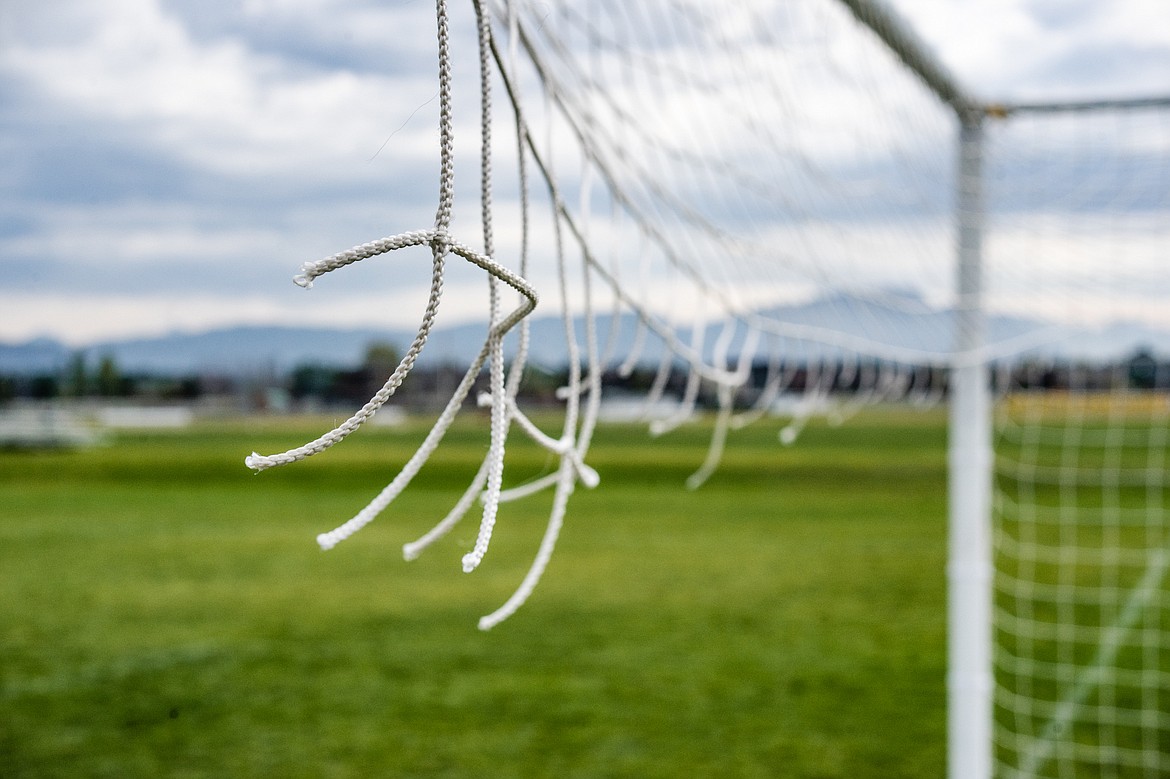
165	612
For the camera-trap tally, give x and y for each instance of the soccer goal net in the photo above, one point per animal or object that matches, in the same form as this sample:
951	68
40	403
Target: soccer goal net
1080	228
778	210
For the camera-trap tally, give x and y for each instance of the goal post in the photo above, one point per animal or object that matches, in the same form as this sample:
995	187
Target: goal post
969	556
1097	711
969	450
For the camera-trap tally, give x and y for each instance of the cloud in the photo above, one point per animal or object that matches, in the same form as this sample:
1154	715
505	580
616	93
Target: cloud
1023	49
170	164
158	157
217	105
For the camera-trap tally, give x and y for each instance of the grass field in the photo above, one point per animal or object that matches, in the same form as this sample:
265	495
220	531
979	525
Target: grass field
164	612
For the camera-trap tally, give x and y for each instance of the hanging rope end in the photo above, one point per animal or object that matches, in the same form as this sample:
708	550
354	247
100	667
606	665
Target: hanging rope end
588	476
257	462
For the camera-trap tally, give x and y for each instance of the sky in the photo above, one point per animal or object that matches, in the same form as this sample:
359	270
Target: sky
169	165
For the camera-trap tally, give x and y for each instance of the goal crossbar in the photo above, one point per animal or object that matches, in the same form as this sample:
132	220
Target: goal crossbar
1005	109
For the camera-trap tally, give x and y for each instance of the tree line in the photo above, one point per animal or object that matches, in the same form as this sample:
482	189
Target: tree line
324	385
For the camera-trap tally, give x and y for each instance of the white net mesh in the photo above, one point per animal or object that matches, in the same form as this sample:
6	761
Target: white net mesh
756	196
1080	232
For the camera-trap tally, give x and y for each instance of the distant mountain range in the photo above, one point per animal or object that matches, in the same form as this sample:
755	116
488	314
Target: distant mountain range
901	320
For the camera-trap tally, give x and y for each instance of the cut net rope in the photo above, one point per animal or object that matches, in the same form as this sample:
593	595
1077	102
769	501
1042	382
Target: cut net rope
588	86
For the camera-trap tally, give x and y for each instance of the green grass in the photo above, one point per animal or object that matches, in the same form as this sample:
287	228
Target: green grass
164	612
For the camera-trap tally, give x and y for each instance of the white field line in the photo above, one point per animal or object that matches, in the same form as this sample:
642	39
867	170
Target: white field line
1111	642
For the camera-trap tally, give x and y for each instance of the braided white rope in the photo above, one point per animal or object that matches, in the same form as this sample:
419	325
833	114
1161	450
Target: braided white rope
608	354
564	447
582	394
626	369
586	132
592	382
816	393
777	379
439	242
437	238
658	385
310	271
565	482
635	355
725	396
411	550
651	233
528	488
571	466
572	452
441	245
686	409
568	472
435	436
718	441
499	425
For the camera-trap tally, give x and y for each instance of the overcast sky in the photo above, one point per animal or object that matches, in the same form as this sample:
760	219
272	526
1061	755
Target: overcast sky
169	165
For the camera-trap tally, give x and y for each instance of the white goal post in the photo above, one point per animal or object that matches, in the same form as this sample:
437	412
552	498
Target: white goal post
977	746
